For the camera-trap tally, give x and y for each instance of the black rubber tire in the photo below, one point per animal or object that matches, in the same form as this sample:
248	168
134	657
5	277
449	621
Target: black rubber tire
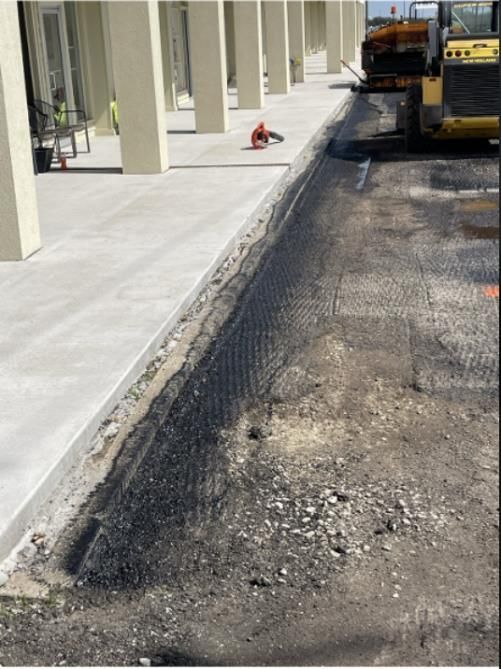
414	140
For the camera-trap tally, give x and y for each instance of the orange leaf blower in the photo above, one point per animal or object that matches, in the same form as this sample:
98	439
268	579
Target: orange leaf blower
261	136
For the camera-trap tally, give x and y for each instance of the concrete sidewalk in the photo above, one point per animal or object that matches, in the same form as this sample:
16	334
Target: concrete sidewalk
123	258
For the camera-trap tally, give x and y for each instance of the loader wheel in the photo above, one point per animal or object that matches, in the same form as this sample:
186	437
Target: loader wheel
414	140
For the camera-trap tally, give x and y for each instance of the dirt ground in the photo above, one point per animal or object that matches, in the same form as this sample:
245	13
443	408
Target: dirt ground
324	489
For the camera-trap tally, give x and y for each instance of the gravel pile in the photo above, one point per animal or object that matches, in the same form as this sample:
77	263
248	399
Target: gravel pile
320	512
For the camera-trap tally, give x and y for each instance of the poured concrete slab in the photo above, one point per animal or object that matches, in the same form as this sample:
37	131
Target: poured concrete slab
123	258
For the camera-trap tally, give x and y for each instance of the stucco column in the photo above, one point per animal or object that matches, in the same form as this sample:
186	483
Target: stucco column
208	65
100	89
19	231
334	35
349	27
314	26
357	37
307	28
249	48
137	68
358	21
167	57
229	29
362	22
263	33
321	25
277	46
295	12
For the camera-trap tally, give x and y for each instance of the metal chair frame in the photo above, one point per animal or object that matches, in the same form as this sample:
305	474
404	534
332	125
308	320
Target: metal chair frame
63	130
38	127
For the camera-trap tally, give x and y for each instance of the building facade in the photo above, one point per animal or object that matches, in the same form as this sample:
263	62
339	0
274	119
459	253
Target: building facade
149	57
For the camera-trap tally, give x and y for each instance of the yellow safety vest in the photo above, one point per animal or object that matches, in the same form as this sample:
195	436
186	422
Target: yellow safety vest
61	116
114	112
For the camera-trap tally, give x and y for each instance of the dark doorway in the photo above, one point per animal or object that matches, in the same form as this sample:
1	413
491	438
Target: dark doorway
26	54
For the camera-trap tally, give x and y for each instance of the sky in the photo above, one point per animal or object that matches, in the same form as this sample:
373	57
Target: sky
382	8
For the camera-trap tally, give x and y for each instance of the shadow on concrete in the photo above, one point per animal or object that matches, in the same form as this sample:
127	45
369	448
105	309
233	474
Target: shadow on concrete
341	85
251	148
205	166
90	170
192	109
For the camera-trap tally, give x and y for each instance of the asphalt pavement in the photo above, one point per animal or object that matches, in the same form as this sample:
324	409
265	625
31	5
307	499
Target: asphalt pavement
321	486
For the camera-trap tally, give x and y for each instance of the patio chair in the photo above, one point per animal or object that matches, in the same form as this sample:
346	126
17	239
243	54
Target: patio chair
64	123
38	126
41	132
44	130
43	140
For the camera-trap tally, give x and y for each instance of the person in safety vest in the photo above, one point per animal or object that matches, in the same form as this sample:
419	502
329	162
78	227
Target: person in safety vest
261	136
114	115
60	110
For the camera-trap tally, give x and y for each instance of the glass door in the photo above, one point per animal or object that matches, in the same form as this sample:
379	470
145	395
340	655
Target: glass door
179	28
59	82
74	55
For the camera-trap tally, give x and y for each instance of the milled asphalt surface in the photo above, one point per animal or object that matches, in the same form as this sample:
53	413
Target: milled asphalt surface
323	488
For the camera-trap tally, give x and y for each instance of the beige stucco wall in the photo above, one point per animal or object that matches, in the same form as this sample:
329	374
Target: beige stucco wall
349	28
19	231
138	75
295	16
98	89
277	46
208	65
334	35
249	45
229	29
